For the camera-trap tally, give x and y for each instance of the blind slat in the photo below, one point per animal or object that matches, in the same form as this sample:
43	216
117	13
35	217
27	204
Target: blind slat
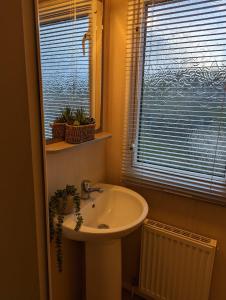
66	70
175	128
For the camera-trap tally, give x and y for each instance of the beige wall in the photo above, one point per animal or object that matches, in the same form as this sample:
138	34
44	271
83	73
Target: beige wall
21	183
71	167
192	215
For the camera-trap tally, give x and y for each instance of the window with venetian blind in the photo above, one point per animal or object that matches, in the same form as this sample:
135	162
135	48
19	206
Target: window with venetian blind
67	49
176	91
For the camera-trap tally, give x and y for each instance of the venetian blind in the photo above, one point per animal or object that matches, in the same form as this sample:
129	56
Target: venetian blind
66	54
175	129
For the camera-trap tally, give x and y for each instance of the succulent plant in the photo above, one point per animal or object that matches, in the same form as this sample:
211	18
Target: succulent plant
60	119
56	211
68	115
76	123
82	118
79	117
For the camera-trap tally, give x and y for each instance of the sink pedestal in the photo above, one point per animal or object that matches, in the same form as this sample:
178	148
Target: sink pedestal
103	270
117	212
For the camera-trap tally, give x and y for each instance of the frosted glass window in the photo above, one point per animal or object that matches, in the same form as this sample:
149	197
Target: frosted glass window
176	112
65	67
183	113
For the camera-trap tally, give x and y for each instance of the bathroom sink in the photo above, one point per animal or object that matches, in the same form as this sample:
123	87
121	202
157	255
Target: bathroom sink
109	215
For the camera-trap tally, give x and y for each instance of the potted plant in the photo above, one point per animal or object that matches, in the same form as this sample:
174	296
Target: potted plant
63	202
58	126
82	129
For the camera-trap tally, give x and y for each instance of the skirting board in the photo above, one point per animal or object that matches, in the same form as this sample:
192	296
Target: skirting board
135	289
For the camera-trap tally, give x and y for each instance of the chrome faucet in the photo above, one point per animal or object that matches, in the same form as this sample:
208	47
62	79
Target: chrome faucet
86	189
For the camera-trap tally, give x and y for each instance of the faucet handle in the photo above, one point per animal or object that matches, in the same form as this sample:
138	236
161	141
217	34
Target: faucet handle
86	189
85	185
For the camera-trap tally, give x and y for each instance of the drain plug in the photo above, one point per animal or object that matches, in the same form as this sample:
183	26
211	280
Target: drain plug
103	226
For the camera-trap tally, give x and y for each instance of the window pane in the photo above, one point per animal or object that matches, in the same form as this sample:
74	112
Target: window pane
183	115
65	68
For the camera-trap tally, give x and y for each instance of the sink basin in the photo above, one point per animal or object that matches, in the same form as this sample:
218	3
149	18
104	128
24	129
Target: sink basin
109	215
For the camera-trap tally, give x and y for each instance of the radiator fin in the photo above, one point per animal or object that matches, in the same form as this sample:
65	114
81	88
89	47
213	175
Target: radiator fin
175	264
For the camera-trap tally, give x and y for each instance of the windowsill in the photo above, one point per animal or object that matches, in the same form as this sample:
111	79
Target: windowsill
62	146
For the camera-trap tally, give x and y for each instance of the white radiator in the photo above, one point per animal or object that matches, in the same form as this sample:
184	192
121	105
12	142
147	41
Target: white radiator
175	264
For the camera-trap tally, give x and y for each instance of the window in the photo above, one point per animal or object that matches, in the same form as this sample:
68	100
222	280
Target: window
176	137
68	56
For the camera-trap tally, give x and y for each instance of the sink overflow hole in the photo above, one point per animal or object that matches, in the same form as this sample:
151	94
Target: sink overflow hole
103	226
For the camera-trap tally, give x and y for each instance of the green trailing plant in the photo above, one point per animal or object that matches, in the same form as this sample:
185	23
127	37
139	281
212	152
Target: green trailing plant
57	206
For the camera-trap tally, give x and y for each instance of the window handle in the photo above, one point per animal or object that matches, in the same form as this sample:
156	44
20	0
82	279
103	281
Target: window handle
132	147
86	37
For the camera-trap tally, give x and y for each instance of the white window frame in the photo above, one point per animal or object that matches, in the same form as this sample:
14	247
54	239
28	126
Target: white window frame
133	107
96	52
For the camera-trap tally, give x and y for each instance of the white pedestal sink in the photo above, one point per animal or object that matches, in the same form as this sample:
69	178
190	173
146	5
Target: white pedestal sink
107	218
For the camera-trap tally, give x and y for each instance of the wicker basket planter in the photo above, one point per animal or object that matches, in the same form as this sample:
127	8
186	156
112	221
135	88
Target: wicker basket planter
79	134
58	130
